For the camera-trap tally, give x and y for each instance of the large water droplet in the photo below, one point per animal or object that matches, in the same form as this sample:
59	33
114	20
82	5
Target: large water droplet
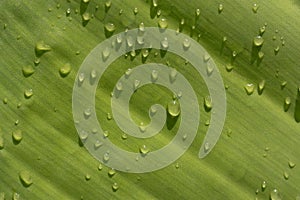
119	86
28	71
174	108
86	17
258	41
144	150
274	195
17	136
28	93
65	70
249	88
163	23
287	103
110	27
25	178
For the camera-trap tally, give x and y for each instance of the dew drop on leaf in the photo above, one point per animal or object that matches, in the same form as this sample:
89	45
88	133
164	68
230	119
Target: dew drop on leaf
255	8
287	103
249	88
144	150
173	108
17	135
28	70
65	70
25	178
163	23
220	8
111	172
115	187
258	41
274	195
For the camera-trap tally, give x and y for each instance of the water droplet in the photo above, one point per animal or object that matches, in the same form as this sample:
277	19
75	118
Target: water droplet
124	136
274	195
283	84
110	27
100	167
105	53
87	112
5	100
119	86
107	5
249	88
109	117
260	55
186	43
106	134
68	11
132	54
287	103
106	157
263	185
142	127
220	8
144	150
197	12
17	135
285	175
25	178
258	41
207	103
154	3
262	30
229	67
261	86
98	144
276	50
174	108
93	75
142	27
16	196
28	93
173	75
87	177
206	146
291	164
177	165
209	68
16	122
255	8
207	122
184	136
81	77
115	187
136	84
129	41
234	54
83	135
163	23
158	13
65	70
41	47
111	172
1	142
164	43
86	17
145	53
128	72
135	11
28	71
119	39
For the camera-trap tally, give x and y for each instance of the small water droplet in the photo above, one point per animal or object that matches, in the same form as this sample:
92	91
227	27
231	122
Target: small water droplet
128	72
262	30
283	84
86	17
164	43
132	54
109	116
129	41
220	8
261	86
276	50
158	13
209	68
81	77
260	55
111	172
88	177
145	53
37	61
98	144
197	12
173	75
119	39
115	187
207	103
263	185
28	71
234	54
110	27
154	3
106	134
255	8
136	84
83	135
124	136
135	11
65	70
107	5
291	164
186	43
106	157
119	86
207	122
249	88
68	11
93	75
163	23
142	127
274	195
100	167
28	93
206	146
174	108
144	150
17	135
258	41
5	100
105	53
285	175
229	67
184	136
87	112
16	196
287	103
41	47
25	178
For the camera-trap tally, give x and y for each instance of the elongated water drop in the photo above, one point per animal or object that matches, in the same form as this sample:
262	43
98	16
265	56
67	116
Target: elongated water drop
255	8
261	86
28	71
119	39
5	100
142	127
17	135
107	5
163	23
220	8
260	55
154	3
41	47
25	178
207	103
258	41
206	57
287	103
28	93
274	195
209	68
65	70
283	84
263	185
262	30
130	41
197	12
286	175
174	108
145	53
128	72
249	88
144	150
